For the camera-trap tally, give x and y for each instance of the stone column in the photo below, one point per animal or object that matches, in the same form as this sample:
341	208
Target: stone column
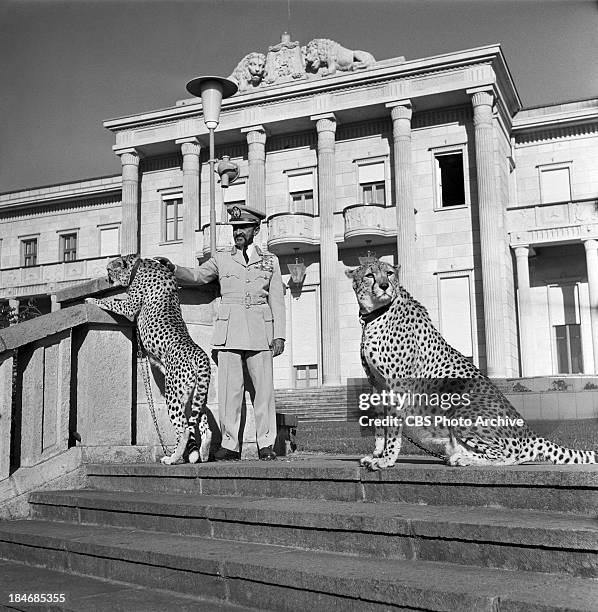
129	231
256	157
591	247
526	316
401	113
191	149
490	241
326	128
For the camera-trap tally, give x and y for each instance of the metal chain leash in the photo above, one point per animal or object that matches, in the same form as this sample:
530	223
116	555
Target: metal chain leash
148	389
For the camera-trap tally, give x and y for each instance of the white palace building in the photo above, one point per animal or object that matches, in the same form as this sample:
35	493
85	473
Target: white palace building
491	209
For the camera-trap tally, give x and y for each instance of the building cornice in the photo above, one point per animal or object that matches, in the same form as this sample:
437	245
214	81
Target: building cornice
61	193
558	115
385	71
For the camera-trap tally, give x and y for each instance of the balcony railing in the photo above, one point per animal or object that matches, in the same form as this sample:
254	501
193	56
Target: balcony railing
373	222
56	272
552	215
288	231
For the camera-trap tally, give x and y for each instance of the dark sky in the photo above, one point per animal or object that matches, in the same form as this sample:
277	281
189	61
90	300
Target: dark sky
67	66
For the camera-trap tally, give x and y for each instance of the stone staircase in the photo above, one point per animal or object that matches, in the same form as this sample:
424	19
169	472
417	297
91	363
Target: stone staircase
311	533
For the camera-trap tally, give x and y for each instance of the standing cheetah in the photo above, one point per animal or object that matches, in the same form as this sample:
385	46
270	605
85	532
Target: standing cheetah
152	296
402	351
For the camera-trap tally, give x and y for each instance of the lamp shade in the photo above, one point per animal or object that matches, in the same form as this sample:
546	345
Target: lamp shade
211	90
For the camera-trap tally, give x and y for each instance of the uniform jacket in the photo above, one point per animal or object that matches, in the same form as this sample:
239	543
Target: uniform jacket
251	312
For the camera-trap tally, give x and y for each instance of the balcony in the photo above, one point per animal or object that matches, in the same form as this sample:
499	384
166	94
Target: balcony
553	222
22	281
289	231
375	223
224	237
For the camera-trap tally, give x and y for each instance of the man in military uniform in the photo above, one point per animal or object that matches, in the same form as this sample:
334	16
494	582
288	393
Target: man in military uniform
249	329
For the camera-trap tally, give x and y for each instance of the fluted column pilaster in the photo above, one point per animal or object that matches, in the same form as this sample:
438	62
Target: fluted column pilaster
401	113
256	158
493	291
191	150
326	128
526	315
591	247
129	231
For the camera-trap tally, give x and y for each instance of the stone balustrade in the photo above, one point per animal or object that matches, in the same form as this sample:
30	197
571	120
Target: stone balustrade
551	222
74	373
57	272
372	222
288	231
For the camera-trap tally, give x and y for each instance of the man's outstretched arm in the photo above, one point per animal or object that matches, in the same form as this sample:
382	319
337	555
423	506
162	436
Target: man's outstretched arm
206	273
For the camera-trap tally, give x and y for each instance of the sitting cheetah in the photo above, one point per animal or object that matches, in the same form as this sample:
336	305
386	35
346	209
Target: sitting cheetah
152	296
402	351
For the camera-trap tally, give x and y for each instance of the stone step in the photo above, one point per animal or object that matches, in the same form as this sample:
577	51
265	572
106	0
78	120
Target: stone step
94	594
282	578
488	537
413	480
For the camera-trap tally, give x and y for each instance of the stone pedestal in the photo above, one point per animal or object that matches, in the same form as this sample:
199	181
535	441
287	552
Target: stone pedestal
326	127
129	231
6	366
401	113
104	386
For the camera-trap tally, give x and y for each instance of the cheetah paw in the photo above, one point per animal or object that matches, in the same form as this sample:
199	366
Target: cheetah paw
381	463
95	302
170	459
365	461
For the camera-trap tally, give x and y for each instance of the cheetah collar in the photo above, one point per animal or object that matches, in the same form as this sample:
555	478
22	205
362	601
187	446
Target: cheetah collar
134	271
370	316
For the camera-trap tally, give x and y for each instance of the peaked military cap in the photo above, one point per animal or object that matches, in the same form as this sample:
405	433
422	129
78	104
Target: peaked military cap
243	215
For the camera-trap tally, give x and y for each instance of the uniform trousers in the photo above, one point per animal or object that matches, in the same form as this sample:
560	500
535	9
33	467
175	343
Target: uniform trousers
231	390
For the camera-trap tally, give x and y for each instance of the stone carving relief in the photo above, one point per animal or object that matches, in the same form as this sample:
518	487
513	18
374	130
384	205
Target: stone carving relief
249	72
287	61
324	57
284	62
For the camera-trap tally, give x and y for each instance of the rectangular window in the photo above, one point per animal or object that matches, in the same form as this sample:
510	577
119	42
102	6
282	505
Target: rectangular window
568	348
109	241
372	183
29	252
305	337
302	202
450	179
455	313
301	192
555	185
173	220
373	193
306	376
68	247
236	194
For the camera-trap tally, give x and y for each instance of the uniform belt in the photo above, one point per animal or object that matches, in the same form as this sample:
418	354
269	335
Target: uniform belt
246	300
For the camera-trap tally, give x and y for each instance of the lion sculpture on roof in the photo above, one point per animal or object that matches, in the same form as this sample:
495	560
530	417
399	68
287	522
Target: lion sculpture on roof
324	57
249	72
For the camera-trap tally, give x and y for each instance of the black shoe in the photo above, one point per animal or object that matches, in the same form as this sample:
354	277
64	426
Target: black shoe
223	454
267	454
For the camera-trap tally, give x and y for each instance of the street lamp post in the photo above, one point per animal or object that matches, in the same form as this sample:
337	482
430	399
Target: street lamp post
211	90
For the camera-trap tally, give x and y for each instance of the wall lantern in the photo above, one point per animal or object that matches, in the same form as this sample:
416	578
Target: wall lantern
369	256
297	269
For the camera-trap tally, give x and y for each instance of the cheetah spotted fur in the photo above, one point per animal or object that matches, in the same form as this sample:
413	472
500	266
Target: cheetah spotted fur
401	350
152	296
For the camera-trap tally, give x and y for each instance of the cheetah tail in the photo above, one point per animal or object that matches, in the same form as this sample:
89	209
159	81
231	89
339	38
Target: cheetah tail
549	451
